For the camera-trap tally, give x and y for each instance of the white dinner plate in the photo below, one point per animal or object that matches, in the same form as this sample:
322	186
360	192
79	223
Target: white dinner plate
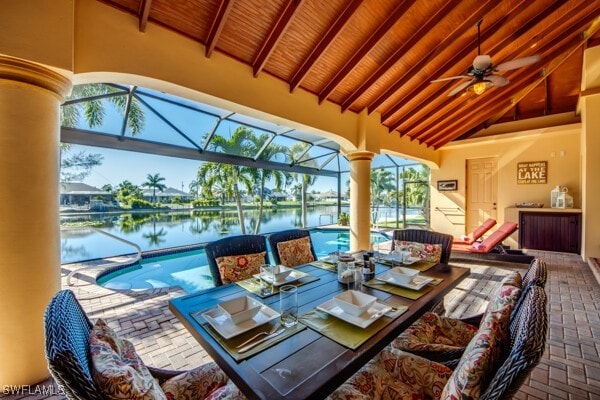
226	328
376	311
417	284
292	277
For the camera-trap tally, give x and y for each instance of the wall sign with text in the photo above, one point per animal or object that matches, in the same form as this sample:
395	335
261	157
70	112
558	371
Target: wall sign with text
532	172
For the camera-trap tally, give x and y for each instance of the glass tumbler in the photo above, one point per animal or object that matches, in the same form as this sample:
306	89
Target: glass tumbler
267	277
288	305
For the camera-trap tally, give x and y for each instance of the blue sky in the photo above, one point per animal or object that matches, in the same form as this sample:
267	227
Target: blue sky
119	165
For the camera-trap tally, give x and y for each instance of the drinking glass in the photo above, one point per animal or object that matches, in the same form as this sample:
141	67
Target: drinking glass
267	277
288	305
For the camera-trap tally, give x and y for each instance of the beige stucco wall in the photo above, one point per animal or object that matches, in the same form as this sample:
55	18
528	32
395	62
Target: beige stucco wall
590	148
541	145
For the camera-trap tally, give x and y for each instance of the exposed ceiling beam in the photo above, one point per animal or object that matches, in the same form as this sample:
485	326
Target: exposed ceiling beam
453	62
274	36
365	48
484	7
217	25
399	53
324	43
493	109
471	111
444	104
552	66
143	13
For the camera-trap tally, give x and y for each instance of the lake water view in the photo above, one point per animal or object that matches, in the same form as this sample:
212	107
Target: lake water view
159	230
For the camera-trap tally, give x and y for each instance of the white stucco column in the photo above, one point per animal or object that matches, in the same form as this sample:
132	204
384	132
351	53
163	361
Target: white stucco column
30	96
360	199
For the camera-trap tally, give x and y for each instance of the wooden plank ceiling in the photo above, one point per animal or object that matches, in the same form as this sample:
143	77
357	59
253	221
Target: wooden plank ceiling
382	55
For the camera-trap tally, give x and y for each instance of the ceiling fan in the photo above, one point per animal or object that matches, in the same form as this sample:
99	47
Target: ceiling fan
481	74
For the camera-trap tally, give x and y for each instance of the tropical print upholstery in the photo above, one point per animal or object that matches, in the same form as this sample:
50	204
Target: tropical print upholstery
476	366
295	252
205	382
372	381
437	334
425	377
237	268
434	333
424	251
117	369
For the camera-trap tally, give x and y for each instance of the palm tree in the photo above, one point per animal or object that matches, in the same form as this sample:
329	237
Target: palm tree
262	175
382	182
126	190
295	151
419	194
229	176
93	110
154	182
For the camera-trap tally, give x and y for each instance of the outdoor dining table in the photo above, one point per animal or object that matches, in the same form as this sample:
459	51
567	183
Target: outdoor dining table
307	364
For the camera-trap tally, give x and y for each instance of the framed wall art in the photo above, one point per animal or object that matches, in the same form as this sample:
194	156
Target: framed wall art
529	172
446	186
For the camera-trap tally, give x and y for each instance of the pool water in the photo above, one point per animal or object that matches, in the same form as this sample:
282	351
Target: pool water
189	269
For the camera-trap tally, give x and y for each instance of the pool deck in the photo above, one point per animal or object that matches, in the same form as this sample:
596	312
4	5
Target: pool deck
570	367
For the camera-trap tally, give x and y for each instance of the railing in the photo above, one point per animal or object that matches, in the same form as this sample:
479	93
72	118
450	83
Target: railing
135	259
326	215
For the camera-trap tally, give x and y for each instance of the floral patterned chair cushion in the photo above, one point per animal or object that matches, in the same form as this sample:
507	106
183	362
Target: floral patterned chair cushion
424	251
117	369
477	365
237	268
295	252
433	333
425	377
372	381
205	382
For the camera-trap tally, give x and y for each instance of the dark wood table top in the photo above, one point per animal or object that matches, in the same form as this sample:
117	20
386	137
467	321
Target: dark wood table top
306	365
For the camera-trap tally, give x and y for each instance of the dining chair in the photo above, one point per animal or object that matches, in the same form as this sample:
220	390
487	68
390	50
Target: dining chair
424	236
233	246
68	330
280	240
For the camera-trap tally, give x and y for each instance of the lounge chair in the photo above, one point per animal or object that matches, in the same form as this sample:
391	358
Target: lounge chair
491	248
477	233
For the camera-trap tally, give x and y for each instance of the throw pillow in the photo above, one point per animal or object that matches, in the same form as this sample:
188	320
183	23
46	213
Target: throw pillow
117	369
425	251
237	268
198	383
480	359
295	252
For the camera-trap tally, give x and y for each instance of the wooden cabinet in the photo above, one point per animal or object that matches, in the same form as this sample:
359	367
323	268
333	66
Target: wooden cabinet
550	231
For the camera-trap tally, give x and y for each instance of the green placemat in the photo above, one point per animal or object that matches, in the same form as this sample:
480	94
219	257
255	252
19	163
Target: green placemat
400	291
324	265
419	265
253	284
230	344
344	333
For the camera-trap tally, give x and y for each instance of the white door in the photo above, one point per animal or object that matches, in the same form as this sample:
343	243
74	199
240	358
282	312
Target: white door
482	188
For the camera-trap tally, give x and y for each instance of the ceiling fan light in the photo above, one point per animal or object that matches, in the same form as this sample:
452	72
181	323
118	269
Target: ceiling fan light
479	87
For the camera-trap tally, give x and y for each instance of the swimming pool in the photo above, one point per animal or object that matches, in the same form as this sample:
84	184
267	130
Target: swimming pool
189	269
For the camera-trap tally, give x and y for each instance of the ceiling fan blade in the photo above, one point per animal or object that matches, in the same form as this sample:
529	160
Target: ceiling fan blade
452	77
460	87
482	62
497	80
517	63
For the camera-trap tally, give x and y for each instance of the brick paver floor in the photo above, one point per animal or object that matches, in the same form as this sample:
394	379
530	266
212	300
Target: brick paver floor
570	367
